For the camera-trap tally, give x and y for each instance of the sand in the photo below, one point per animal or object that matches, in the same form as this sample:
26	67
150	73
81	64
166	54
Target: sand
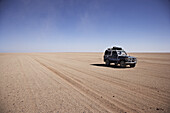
81	83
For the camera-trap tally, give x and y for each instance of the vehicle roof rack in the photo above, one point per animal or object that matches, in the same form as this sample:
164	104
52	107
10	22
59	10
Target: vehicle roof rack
117	48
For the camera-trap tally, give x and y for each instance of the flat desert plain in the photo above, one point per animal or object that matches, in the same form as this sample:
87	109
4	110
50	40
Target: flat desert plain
81	83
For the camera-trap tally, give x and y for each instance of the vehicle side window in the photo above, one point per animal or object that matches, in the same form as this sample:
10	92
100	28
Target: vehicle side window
107	52
114	53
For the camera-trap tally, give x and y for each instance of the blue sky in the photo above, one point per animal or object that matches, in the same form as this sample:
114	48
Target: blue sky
84	25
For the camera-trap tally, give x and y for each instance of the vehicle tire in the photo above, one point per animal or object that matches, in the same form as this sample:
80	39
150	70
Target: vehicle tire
122	64
107	63
132	65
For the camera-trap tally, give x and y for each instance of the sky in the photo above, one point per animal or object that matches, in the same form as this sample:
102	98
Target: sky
84	25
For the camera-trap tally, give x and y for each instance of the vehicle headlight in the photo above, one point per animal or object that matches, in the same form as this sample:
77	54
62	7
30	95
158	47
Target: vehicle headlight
127	59
134	59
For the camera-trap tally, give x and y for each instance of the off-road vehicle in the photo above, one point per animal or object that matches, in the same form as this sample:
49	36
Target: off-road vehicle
118	56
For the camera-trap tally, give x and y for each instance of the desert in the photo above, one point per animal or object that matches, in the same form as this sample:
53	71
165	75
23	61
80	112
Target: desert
79	82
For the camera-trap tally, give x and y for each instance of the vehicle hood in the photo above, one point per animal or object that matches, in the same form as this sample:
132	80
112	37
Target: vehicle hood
123	56
126	57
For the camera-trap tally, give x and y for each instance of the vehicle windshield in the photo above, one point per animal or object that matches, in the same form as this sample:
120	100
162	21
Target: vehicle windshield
121	53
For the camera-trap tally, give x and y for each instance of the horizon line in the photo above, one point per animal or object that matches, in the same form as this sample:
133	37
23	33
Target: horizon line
80	52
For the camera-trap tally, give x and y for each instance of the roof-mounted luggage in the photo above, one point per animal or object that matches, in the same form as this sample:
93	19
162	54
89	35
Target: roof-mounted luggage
116	48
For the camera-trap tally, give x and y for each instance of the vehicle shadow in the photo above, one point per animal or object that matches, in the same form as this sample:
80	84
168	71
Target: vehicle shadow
111	66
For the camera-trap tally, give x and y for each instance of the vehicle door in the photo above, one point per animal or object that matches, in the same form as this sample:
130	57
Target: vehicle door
107	55
114	56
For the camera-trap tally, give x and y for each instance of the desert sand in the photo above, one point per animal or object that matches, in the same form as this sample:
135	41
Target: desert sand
81	83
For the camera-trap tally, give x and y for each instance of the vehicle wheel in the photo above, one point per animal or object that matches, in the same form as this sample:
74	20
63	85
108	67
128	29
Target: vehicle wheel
107	63
122	64
132	65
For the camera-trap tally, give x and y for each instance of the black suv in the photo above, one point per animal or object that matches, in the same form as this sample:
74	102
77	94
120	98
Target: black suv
118	56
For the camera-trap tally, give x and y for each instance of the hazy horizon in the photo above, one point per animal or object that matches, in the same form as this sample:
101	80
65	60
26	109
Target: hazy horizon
84	25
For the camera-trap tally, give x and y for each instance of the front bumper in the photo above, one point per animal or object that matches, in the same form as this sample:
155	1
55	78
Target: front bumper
127	63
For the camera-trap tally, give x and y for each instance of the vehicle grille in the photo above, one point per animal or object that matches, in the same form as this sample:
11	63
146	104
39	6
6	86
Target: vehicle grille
133	59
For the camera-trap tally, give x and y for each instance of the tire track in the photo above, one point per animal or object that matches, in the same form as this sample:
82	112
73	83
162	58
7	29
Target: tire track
60	82
150	97
88	92
124	84
30	90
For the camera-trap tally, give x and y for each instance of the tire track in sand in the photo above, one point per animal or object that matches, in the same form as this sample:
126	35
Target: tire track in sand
127	86
87	92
